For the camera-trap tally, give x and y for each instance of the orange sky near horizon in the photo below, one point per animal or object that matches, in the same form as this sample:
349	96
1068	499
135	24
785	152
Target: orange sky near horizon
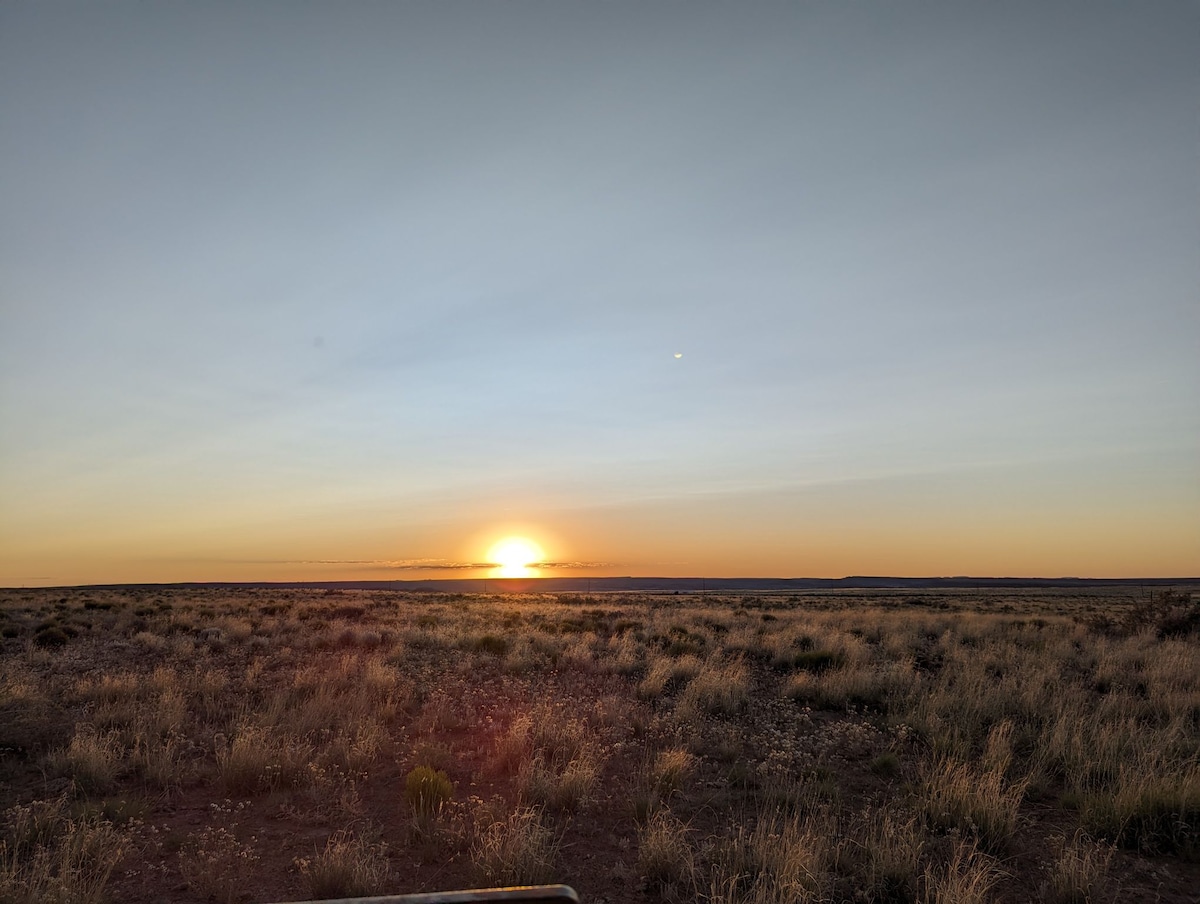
883	528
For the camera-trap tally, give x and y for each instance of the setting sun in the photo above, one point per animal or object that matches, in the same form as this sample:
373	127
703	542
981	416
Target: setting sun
513	556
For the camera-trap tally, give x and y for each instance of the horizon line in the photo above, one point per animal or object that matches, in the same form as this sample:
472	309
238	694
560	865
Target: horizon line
901	581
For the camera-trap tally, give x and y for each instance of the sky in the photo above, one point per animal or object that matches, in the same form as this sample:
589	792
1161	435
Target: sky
322	291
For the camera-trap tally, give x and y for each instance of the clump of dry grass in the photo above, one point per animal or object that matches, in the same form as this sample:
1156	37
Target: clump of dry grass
616	715
150	642
1078	870
968	878
548	734
669	769
515	745
348	867
30	721
259	759
664	674
1155	811
358	688
719	688
92	760
983	804
556	735
160	760
665	857
564	788
210	694
355	749
46	856
658	675
781	860
624	656
891	850
518	850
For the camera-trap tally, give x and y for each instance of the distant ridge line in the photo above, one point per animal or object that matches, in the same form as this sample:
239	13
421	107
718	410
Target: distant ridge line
667	585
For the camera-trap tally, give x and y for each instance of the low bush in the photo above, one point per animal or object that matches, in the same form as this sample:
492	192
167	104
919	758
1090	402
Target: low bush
50	636
885	765
812	660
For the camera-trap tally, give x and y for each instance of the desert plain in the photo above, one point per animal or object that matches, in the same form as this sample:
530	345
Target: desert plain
265	744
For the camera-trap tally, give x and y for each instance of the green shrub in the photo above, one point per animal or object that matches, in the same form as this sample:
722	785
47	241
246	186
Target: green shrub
427	791
886	765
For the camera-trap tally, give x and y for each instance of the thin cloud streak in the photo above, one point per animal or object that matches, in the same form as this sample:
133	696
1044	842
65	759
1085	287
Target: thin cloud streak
419	564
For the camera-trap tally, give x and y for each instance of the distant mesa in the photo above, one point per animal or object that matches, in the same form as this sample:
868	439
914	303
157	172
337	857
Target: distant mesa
689	585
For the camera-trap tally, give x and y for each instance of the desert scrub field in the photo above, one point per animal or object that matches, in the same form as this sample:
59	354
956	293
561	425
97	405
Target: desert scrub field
265	744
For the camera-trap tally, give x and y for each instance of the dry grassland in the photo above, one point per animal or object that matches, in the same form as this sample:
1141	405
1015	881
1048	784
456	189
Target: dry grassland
266	744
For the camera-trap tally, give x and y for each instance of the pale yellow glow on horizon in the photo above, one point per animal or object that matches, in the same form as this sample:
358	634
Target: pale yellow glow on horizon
513	557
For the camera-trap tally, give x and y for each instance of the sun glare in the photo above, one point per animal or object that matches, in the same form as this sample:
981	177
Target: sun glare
513	556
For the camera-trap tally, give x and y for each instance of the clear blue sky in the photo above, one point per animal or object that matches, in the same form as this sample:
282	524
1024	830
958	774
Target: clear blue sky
352	289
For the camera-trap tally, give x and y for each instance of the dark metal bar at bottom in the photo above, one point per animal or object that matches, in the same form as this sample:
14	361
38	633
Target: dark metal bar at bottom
541	894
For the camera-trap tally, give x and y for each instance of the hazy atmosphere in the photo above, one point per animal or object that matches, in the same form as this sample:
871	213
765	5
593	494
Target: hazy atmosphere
357	290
